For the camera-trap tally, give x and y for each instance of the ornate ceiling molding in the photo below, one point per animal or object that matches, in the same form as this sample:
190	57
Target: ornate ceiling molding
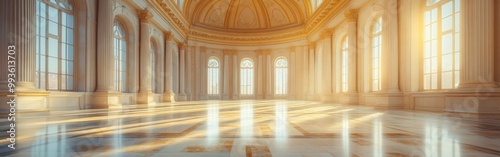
271	35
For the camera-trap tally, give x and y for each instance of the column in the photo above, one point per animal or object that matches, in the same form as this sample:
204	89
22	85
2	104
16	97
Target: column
477	91
352	88
145	95
225	95
311	89
182	72
105	96
390	52
292	83
260	75
235	79
390	96
204	75
168	93
269	75
305	68
326	69
477	44
19	30
189	73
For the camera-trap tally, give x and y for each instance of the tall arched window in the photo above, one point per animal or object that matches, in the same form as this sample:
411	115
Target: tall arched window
345	68
120	58
246	77
441	44
376	46
213	76
281	77
55	46
152	56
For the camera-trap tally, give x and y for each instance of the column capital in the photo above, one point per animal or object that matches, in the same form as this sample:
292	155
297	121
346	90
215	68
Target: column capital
268	51
312	45
327	33
352	15
203	49
169	36
234	52
145	16
182	46
292	48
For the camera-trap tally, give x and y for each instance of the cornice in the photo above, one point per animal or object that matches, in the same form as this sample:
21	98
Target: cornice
169	10
172	14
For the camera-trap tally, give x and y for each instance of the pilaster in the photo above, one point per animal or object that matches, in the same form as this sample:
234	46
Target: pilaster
182	72
168	93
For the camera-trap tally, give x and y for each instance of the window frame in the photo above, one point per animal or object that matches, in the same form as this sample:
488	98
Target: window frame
378	35
252	79
209	82
123	86
285	77
60	41
344	64
455	52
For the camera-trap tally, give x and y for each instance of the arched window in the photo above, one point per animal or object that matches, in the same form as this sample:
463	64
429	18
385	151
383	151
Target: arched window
152	55
376	46
246	77
213	76
345	68
441	59
55	46
281	77
120	58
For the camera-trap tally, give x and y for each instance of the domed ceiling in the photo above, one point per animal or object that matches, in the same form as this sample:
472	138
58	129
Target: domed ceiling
246	15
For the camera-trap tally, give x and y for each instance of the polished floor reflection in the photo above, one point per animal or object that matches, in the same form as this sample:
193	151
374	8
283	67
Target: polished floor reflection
257	128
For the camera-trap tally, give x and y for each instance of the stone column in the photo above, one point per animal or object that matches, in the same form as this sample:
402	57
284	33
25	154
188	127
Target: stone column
225	95
18	33
235	94
292	81
477	91
189	73
305	68
326	69
390	96
260	75
168	93
269	75
352	89
390	52
105	96
182	72
311	91
145	95
204	73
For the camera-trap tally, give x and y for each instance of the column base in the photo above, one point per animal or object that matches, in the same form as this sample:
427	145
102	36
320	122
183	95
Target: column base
182	97
235	97
106	100
225	96
349	98
169	97
269	96
25	102
327	98
146	99
310	97
473	101
260	96
203	97
385	101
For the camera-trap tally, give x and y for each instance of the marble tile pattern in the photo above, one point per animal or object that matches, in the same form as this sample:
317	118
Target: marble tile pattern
249	128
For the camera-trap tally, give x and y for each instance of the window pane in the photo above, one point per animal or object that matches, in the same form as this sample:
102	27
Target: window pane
53	47
52	81
53	14
447	80
53	65
447	43
447	9
53	28
447	23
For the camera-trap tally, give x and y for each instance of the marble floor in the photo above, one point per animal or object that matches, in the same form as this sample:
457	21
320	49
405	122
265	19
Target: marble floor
255	128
